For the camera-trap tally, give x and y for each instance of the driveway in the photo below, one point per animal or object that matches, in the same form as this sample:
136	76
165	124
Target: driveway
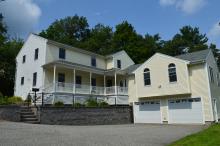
21	134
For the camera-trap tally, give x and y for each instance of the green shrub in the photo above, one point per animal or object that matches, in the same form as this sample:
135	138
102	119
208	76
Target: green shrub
77	104
103	104
91	102
15	100
58	104
10	100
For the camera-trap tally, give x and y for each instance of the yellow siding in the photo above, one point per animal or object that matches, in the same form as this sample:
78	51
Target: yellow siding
125	60
132	89
160	85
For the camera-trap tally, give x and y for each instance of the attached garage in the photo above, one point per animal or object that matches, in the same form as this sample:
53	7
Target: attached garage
185	111
147	112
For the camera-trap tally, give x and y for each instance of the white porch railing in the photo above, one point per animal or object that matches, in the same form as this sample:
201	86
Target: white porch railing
85	89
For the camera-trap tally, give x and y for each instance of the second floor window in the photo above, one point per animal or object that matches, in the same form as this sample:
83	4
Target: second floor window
211	74
36	54
22	80
118	63
93	61
147	77
24	59
172	72
62	53
35	79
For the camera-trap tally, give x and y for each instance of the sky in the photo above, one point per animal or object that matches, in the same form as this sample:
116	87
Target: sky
165	17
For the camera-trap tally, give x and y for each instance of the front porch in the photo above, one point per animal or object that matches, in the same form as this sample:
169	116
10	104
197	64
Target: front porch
83	81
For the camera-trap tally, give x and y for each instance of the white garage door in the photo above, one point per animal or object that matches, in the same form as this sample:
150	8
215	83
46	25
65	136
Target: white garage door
185	111
147	112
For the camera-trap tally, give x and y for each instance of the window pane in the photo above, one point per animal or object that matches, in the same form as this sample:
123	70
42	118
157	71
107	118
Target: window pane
36	53
62	53
78	81
34	79
172	72
147	78
118	63
93	61
24	59
93	81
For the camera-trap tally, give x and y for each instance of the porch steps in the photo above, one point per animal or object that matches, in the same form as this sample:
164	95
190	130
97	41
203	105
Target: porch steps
28	116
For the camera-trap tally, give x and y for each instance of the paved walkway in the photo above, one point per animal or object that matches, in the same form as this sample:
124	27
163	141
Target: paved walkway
21	134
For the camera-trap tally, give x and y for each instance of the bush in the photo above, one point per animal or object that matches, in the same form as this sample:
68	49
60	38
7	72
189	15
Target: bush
15	100
58	104
1	95
10	100
91	102
103	104
77	104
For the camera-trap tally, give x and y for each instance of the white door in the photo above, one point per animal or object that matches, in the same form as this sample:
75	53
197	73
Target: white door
147	112
187	111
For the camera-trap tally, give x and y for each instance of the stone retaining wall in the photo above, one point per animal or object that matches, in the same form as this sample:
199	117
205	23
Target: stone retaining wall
86	116
10	113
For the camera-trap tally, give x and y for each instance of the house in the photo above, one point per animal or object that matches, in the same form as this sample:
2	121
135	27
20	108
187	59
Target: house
164	89
181	89
63	72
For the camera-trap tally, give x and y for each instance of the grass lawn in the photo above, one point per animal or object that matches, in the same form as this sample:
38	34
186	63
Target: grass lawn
207	137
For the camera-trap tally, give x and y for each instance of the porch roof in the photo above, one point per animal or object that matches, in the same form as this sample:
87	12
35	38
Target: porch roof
71	65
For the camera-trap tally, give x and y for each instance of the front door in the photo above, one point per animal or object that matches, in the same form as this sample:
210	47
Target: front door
109	83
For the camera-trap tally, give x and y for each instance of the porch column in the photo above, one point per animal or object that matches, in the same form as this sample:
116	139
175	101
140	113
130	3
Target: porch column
104	86
115	83
90	81
74	81
54	77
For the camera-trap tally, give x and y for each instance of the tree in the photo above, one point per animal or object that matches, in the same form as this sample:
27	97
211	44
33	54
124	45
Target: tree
188	40
3	31
100	39
70	30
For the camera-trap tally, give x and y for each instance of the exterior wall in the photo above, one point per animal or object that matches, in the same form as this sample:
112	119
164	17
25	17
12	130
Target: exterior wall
73	56
125	60
214	88
160	85
200	88
30	66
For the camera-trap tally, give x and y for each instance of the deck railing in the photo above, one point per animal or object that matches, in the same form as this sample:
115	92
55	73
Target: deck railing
85	89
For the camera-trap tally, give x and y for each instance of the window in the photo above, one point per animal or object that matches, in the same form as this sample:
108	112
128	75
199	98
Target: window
93	81
61	77
24	59
22	80
62	53
93	61
36	54
34	79
172	72
147	77
211	74
118	63
78	81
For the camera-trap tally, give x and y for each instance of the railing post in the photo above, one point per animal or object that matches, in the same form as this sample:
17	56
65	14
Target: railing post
73	100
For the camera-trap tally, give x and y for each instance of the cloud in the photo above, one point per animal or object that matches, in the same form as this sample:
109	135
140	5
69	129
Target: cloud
20	16
186	6
214	34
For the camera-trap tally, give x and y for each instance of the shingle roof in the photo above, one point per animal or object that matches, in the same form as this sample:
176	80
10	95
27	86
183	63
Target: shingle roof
195	56
130	69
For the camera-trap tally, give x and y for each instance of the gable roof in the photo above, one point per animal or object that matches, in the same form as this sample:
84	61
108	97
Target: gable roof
194	57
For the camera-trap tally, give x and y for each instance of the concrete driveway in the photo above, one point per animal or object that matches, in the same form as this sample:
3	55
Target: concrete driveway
21	134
